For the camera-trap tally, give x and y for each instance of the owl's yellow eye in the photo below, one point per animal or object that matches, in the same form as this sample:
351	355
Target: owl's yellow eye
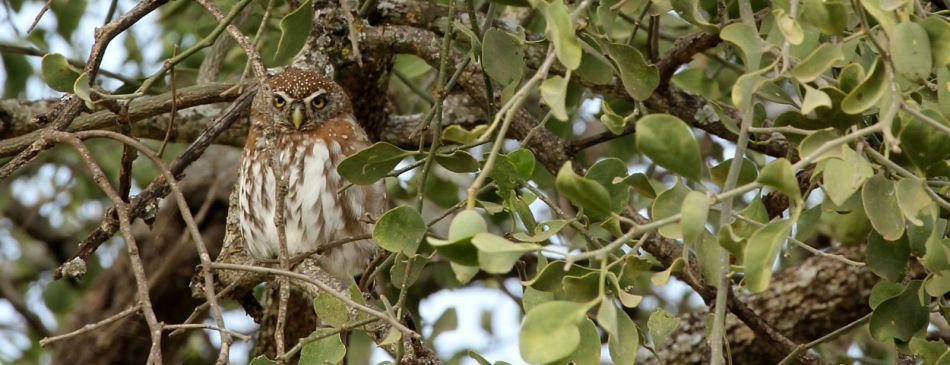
319	102
279	101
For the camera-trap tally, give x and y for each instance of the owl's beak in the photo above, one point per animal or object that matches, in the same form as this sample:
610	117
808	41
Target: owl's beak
297	116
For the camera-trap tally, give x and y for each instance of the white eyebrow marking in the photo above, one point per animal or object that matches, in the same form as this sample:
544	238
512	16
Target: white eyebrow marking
284	95
315	94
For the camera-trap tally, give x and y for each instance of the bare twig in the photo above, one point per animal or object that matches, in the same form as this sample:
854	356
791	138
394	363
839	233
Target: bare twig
324	287
39	16
159	187
353	31
122	208
72	106
246	44
91	327
203	253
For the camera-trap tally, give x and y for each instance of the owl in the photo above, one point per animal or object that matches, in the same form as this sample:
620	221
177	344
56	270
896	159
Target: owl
308	121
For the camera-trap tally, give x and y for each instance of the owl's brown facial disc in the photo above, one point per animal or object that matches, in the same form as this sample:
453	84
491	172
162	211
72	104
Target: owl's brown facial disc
304	99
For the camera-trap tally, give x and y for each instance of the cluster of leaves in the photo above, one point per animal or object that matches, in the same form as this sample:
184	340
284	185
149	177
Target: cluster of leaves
869	123
859	91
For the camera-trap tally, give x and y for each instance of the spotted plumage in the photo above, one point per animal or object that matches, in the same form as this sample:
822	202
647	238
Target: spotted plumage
307	121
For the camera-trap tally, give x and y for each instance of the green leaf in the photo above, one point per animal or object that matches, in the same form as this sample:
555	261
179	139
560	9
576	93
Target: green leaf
400	230
667	204
68	15
581	288
929	351
880	203
841	178
883	290
458	161
747	173
588	351
825	15
924	144
553	91
524	161
887	19
331	310
372	163
550	331
761	251
533	297
779	175
328	350
910	51
549	277
938	284
661	326
814	99
746	37
912	199
614	122
819	61
457	134
57	72
669	142
583	192
789	27
18	71
695	210
639	78
899	317
542	231
448	321
406	270
560	31
807	223
605	172
82	89
887	259
392	337
640	183
458	247
294	30
502	56
938	31
624	343
850	77
747	87
497	255
689	10
865	95
816	140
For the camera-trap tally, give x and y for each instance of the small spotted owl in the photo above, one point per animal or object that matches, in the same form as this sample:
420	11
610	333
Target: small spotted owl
310	122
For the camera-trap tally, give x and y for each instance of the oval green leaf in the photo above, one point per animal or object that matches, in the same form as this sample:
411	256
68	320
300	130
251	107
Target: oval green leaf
669	142
400	230
880	203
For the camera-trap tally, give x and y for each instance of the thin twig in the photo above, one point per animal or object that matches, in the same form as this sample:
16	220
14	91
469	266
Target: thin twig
91	326
39	16
125	225
352	32
322	286
186	216
159	187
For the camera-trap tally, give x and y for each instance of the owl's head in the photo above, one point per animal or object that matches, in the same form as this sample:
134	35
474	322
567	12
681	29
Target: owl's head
303	99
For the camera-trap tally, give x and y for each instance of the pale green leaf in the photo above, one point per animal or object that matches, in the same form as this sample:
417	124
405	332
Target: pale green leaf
880	203
669	142
761	252
400	230
294	29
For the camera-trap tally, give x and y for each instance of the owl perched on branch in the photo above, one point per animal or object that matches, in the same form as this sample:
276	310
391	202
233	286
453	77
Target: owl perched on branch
309	123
